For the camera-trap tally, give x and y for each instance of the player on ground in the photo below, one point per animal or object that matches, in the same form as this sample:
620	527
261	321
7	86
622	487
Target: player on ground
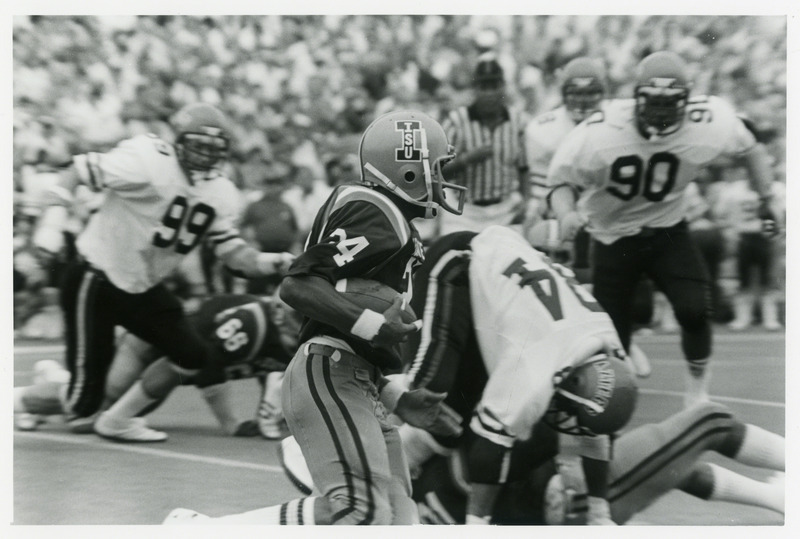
332	385
160	201
623	173
648	462
249	336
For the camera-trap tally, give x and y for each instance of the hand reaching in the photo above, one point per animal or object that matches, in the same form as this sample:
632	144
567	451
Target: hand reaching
424	409
394	330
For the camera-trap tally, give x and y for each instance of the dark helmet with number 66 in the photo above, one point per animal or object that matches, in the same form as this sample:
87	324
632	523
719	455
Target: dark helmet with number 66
404	152
661	93
202	136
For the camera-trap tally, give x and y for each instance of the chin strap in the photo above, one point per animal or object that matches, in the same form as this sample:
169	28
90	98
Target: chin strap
431	208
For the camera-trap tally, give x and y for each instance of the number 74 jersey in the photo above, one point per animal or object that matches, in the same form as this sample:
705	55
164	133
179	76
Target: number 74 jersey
532	320
152	214
630	182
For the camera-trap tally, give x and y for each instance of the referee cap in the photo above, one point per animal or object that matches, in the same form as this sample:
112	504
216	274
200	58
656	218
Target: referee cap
488	70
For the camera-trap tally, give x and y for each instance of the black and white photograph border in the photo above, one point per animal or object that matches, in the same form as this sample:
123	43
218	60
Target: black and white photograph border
53	474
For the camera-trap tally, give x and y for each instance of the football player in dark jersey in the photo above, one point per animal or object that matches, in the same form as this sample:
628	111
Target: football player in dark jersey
249	337
335	396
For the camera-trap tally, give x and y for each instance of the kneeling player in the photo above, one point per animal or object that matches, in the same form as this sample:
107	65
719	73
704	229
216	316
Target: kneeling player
250	336
648	462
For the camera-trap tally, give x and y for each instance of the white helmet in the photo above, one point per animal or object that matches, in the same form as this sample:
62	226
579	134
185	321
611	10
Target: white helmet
404	152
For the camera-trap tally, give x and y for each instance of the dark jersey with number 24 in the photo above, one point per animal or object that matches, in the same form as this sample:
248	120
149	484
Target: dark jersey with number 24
360	232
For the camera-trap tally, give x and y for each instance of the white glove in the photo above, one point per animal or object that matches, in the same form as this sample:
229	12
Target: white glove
599	512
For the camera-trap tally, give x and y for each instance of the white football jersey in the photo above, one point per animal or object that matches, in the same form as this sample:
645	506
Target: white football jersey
152	216
543	134
532	319
630	182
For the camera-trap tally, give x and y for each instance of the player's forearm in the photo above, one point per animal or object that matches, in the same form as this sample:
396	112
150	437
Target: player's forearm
596	473
251	262
761	176
317	299
481	501
53	221
562	200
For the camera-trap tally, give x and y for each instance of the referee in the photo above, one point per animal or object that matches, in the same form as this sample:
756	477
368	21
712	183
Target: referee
487	136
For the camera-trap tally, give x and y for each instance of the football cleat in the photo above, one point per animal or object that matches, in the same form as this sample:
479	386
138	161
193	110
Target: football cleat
294	465
27	422
184	517
81	425
133	429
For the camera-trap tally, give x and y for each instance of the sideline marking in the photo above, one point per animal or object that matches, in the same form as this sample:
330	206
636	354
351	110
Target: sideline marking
80	440
663	392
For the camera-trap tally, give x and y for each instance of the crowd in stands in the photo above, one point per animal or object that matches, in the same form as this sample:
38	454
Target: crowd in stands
301	89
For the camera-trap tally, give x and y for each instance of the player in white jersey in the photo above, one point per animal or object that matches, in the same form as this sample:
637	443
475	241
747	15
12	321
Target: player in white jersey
583	91
160	201
624	171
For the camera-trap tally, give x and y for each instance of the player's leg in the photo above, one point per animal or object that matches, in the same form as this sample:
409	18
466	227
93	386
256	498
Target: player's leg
679	271
330	403
712	482
132	357
616	273
160	321
44	397
744	300
91	306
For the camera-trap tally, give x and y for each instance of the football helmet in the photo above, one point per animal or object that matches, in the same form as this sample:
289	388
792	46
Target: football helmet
583	87
202	136
661	93
404	152
600	393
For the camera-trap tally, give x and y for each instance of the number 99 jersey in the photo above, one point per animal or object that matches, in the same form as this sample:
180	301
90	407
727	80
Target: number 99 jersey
630	182
153	214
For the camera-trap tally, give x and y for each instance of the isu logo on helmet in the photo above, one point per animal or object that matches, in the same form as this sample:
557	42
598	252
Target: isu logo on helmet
410	150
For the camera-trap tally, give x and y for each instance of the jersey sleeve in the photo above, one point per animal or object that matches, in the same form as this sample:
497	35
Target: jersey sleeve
119	169
727	129
357	238
224	232
567	165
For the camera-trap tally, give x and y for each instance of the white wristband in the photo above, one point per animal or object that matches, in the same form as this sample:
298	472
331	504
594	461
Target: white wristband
368	325
390	395
474	520
272	263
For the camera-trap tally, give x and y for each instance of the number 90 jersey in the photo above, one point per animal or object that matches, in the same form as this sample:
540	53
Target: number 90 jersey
152	215
532	319
630	182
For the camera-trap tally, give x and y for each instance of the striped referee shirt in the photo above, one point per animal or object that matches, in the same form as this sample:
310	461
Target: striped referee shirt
493	180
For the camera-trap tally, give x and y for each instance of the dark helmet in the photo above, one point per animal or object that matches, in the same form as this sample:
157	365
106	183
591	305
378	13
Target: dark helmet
661	93
202	136
583	87
600	394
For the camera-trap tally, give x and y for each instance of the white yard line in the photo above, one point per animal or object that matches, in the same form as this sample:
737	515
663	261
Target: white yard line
770	404
129	448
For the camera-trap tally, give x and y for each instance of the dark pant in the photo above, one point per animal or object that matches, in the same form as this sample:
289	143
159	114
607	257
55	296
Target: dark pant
93	306
670	259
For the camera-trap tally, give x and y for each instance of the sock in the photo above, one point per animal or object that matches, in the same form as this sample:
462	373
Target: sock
732	487
419	446
763	449
296	512
131	403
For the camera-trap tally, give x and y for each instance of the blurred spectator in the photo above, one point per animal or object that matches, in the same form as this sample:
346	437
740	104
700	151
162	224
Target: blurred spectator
269	224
